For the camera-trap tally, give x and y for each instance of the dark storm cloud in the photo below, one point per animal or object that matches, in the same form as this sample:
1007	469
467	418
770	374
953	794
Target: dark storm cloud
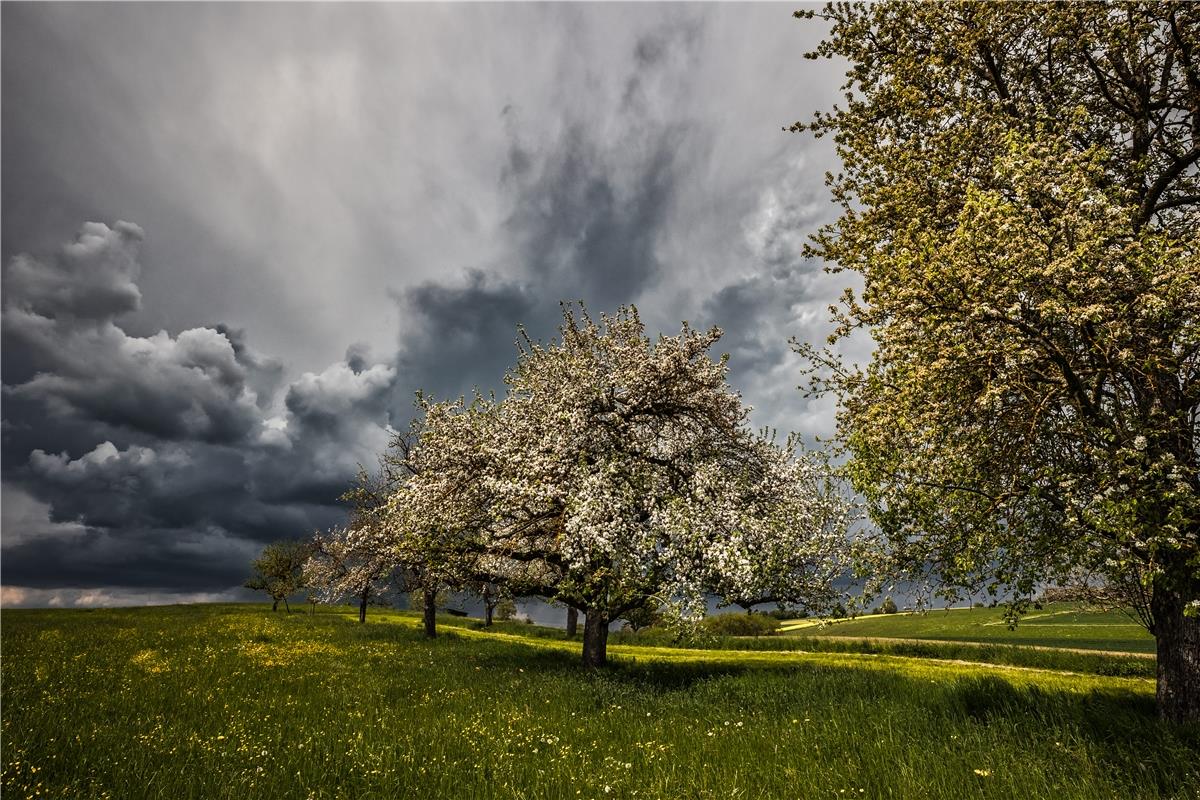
172	560
462	337
59	323
183	455
587	225
781	295
92	279
587	213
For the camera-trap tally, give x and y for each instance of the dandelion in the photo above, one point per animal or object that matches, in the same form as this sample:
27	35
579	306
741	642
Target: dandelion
983	773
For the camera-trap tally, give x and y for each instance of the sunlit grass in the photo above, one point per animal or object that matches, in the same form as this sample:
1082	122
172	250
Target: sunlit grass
233	701
1055	625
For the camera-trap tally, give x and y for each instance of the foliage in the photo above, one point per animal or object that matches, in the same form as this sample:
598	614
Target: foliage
348	561
888	606
740	625
1019	194
616	471
187	702
279	571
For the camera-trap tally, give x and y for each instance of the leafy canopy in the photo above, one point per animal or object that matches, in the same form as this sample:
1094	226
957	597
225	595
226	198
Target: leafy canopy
1019	193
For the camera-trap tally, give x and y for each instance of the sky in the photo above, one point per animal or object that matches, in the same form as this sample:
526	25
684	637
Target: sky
237	238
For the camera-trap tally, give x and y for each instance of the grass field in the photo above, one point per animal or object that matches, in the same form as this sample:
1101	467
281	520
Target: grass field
234	701
1055	625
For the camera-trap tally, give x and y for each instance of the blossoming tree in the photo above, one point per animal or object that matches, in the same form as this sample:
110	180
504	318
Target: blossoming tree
351	561
616	470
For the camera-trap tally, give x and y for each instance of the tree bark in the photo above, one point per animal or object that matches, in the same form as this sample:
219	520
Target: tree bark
286	608
362	607
275	605
490	601
595	639
1177	641
572	621
430	612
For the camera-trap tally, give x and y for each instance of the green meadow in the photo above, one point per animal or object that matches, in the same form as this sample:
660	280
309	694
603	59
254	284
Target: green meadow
235	701
1064	625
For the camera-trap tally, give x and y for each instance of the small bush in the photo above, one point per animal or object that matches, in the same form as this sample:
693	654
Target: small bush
740	625
888	606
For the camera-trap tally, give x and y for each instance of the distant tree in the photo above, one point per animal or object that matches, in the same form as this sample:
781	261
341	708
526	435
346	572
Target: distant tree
492	594
349	562
279	571
433	517
356	560
888	606
1020	194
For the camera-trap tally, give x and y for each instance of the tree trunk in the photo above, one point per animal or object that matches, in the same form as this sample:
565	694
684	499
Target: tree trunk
275	604
286	608
362	606
430	611
1177	640
488	608
595	639
572	621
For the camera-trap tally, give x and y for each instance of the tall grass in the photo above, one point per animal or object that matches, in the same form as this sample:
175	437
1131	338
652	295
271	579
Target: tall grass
228	701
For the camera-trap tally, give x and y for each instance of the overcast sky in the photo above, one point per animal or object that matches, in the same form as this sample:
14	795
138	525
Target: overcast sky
237	238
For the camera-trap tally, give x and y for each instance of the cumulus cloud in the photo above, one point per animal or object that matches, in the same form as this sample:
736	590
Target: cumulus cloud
188	450
92	279
59	319
339	397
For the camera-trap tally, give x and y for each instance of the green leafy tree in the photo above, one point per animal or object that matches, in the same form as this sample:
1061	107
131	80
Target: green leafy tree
279	571
1019	192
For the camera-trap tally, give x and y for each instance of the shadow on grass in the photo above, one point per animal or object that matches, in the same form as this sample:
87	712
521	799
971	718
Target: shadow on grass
1124	724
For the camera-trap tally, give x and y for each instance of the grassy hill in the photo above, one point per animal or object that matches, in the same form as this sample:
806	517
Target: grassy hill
1055	625
234	701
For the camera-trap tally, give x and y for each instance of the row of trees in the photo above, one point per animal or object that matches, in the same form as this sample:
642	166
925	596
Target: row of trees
617	476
